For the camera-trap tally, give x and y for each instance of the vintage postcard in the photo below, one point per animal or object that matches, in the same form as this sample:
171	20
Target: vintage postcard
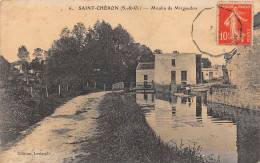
129	81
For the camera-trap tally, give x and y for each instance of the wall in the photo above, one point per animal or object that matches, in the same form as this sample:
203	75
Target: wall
217	73
244	72
140	75
234	97
118	86
183	62
245	68
165	89
247	122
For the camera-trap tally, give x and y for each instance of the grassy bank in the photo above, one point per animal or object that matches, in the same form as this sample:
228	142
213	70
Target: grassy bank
19	111
125	136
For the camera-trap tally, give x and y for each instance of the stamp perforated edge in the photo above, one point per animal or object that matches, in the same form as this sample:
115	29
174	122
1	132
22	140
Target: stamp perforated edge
217	20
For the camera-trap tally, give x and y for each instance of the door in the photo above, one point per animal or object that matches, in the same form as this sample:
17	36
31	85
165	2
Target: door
173	77
210	75
145	81
184	77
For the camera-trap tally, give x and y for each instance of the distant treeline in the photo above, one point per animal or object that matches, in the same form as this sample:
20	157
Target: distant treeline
5	71
99	54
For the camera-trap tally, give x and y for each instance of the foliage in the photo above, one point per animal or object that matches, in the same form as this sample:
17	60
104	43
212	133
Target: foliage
19	110
38	54
5	71
158	51
24	57
100	54
37	64
206	62
23	53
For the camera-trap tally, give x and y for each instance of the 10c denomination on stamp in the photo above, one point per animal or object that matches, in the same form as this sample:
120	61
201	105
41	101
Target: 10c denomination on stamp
235	23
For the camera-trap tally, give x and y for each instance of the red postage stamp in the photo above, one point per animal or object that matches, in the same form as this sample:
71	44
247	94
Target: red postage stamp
235	23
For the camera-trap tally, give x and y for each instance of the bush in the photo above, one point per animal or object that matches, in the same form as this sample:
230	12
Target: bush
86	90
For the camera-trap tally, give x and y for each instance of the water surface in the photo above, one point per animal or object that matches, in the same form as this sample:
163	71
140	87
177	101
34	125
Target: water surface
232	134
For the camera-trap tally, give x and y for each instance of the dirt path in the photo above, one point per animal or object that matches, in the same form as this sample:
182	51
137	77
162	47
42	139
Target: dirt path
59	136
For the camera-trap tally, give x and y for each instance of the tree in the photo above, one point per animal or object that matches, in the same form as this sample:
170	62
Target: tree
23	53
24	57
77	55
79	32
38	63
5	71
158	51
206	62
121	37
38	54
65	32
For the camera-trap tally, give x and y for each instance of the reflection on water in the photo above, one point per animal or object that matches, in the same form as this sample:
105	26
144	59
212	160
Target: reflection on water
231	133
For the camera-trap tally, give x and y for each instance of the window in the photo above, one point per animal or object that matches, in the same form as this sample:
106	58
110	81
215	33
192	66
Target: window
173	62
173	77
145	97
183	75
145	77
183	100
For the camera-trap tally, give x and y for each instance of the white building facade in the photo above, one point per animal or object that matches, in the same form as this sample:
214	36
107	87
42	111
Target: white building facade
212	73
144	75
177	68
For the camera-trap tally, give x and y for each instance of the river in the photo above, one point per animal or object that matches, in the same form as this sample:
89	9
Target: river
227	133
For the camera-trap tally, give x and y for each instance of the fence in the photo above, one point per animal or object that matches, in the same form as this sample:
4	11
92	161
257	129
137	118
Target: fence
118	86
65	88
142	85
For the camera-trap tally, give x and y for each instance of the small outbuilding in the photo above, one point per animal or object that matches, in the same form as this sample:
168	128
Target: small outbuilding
145	75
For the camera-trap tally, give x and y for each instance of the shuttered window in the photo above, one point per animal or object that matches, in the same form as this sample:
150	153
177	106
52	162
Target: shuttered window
183	75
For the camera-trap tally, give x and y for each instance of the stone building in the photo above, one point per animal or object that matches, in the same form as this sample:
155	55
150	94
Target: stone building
177	68
244	76
170	70
214	72
144	75
244	68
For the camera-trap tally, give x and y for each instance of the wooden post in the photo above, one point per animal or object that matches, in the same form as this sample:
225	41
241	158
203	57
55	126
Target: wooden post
27	80
87	84
59	89
104	86
47	95
31	91
67	87
230	77
95	85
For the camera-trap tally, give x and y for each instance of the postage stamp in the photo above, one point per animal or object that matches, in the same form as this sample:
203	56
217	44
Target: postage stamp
235	23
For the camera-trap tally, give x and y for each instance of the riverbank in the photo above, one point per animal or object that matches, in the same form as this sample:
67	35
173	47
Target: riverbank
125	136
236	97
19	111
59	137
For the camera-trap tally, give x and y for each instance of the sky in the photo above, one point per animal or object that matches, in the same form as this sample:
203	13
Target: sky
37	23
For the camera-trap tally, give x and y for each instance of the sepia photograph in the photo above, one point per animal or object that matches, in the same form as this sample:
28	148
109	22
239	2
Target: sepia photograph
169	81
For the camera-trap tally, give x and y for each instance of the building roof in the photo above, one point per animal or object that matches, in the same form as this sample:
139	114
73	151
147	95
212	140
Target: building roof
210	69
257	21
145	66
177	54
